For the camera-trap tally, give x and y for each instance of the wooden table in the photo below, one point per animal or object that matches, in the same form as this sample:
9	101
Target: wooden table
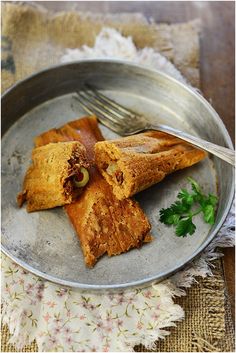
216	59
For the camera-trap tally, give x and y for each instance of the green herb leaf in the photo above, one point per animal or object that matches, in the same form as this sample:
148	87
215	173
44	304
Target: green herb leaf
185	196
195	186
180	207
175	218
184	227
212	200
167	216
208	212
180	213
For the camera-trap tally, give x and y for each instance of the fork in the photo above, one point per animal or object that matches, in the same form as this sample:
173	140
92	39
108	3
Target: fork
125	122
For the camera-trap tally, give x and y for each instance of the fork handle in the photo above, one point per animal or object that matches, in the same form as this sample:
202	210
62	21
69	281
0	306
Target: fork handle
224	153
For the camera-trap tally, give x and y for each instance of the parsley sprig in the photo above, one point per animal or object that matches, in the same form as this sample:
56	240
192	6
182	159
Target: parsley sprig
181	213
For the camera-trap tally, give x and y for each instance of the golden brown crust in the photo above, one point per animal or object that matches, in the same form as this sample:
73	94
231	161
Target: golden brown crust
103	223
47	182
132	164
106	224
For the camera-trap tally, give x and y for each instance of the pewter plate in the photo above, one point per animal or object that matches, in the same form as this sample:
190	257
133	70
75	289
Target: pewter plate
45	242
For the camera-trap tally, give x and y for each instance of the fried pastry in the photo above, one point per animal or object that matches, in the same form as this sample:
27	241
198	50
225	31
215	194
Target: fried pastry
132	164
103	223
56	177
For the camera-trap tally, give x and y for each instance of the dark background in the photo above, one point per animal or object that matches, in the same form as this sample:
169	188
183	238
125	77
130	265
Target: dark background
217	57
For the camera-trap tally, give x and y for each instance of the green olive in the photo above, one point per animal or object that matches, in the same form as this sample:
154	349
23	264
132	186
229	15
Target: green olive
83	182
112	168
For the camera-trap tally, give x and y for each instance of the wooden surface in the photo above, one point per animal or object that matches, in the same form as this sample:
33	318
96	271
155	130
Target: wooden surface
216	61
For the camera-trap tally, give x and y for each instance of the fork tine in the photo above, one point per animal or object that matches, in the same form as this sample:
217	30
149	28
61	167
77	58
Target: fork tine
100	108
88	110
105	105
103	118
110	101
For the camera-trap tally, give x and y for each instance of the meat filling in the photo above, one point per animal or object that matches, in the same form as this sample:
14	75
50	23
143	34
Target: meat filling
119	177
77	175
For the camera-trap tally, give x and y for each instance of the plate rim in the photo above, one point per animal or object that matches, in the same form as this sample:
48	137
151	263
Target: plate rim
212	234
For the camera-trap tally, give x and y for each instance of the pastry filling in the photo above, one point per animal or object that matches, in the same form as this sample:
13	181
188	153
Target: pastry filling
115	173
78	177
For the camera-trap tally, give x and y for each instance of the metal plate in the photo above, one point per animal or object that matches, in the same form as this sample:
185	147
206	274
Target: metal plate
45	242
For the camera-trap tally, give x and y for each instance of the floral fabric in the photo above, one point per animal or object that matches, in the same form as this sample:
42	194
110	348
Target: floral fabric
63	319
